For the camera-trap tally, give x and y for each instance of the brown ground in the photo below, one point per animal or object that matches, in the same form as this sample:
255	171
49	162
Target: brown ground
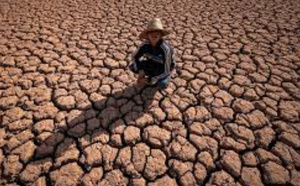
71	113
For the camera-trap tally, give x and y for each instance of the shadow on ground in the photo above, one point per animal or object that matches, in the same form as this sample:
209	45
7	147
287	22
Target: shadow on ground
102	123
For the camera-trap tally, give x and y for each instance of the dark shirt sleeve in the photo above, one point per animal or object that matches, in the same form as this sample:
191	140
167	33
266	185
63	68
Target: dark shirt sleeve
138	54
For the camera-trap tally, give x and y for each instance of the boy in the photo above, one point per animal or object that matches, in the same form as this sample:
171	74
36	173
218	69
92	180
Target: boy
158	54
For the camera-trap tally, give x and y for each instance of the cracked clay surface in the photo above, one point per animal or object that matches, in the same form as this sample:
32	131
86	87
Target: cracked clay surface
72	114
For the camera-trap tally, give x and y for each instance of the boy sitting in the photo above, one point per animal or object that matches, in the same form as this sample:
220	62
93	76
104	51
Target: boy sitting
158	56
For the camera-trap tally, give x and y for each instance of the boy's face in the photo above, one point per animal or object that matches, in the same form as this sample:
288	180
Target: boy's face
154	37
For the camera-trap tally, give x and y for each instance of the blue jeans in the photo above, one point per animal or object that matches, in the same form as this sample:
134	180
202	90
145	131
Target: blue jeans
163	83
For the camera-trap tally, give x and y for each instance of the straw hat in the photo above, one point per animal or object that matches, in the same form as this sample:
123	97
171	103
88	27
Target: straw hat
153	25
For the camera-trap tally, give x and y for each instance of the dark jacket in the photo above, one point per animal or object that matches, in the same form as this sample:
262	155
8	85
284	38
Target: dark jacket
159	60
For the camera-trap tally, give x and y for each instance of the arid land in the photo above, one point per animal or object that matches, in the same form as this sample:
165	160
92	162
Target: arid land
71	112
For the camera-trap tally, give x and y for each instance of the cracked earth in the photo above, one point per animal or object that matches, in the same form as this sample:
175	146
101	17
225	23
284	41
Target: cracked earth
72	114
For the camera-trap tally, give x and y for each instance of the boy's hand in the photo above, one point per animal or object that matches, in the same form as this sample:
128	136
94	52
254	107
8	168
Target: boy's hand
147	56
153	58
141	81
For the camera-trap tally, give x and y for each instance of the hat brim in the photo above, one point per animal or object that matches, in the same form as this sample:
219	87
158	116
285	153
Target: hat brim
143	35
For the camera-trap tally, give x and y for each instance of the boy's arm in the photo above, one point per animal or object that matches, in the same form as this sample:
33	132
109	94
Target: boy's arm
168	53
136	56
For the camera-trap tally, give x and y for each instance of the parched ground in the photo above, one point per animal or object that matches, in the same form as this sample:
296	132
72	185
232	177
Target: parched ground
72	114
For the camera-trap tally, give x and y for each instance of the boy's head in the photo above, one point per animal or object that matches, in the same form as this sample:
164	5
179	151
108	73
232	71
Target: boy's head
154	36
154	31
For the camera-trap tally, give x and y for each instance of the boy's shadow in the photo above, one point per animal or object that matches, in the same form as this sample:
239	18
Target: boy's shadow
103	122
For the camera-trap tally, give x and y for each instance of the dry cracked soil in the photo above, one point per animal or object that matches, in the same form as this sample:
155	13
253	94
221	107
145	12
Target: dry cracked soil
71	112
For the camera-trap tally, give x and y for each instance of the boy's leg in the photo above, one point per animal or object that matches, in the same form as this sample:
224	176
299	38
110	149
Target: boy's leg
163	83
